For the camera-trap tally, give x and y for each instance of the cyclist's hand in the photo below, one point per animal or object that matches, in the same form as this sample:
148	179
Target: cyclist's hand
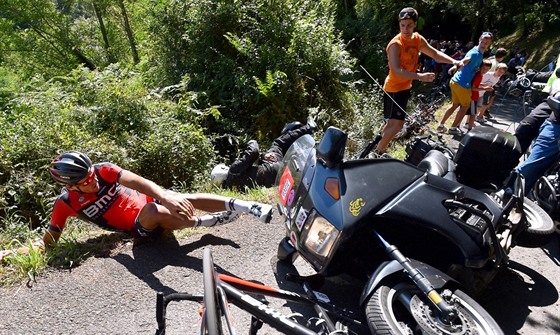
178	204
427	77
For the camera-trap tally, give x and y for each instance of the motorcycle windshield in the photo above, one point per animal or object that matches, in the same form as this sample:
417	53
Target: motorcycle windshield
291	172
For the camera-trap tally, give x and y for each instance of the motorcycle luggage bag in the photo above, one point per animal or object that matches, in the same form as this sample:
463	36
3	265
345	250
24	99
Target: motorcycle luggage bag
486	156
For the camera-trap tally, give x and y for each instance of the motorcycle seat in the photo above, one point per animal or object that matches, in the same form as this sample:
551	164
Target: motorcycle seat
436	163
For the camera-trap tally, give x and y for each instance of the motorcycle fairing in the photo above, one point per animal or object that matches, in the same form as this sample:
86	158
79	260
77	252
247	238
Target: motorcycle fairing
392	191
411	206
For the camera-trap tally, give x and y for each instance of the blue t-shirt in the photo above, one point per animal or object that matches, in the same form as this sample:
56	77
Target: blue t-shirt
465	76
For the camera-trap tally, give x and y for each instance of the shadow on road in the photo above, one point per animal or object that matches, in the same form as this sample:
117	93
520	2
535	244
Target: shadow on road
513	292
149	258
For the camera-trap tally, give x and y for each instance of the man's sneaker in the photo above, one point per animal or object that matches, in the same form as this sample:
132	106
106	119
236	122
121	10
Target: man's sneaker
441	129
488	116
262	211
454	131
480	120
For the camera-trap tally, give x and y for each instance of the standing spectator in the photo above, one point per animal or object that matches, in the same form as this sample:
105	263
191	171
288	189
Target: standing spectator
498	57
461	84
477	86
487	99
402	53
545	150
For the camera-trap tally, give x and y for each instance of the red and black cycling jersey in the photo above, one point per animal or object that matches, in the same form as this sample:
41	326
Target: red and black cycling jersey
113	207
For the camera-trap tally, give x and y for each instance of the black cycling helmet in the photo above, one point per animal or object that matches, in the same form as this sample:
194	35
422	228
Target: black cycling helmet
70	167
291	126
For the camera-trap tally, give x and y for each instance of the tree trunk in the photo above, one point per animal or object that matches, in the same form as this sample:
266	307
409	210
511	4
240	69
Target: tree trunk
129	34
106	46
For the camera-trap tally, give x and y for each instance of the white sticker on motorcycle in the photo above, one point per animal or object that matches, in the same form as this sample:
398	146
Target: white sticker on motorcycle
301	218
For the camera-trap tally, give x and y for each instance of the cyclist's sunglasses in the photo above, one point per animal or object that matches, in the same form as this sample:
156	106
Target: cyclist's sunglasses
88	180
487	34
408	14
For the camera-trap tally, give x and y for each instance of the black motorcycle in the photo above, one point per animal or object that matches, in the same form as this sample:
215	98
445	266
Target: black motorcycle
419	241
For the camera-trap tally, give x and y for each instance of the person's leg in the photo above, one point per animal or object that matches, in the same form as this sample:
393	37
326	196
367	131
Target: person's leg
455	103
543	154
267	173
394	110
464	98
446	116
281	144
470	122
154	215
486	112
460	115
245	160
391	129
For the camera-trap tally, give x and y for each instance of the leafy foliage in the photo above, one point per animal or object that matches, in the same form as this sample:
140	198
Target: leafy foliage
110	116
264	62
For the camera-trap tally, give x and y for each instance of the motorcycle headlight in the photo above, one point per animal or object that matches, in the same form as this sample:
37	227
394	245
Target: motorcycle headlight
320	237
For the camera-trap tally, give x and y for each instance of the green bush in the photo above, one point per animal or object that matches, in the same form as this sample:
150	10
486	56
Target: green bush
264	63
108	115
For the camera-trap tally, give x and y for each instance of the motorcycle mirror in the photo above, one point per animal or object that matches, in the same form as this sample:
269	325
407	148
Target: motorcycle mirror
330	151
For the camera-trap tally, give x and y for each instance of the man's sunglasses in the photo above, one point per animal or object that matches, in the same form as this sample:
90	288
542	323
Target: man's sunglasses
86	182
407	15
487	33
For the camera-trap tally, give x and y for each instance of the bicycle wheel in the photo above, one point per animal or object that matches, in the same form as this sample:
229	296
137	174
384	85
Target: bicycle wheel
211	315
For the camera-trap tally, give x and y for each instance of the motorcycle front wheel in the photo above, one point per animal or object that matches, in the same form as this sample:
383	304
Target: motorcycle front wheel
399	308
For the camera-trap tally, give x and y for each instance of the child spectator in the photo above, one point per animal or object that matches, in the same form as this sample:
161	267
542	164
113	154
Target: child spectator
477	86
487	99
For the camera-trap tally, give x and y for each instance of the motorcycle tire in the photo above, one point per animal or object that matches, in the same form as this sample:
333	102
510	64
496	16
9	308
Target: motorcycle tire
391	307
541	228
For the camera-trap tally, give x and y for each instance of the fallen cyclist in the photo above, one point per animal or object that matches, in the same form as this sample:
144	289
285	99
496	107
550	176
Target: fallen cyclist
251	168
120	200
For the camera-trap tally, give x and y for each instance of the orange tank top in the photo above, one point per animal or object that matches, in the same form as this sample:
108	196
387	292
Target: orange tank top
410	47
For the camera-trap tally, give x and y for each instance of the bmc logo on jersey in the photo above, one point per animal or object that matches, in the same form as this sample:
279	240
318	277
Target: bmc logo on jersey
101	205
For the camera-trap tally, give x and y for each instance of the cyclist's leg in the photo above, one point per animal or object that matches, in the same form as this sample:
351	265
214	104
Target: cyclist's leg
281	144
245	160
154	215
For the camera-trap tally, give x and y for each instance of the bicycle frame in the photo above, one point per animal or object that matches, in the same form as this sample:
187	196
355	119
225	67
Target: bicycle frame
237	291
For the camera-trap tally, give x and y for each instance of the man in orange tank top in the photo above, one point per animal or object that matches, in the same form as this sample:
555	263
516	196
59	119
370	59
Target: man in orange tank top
402	52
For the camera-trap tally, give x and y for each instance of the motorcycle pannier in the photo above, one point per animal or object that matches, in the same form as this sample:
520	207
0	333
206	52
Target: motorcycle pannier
486	156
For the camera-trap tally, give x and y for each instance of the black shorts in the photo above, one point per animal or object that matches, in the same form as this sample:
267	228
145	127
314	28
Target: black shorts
394	104
487	96
139	231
